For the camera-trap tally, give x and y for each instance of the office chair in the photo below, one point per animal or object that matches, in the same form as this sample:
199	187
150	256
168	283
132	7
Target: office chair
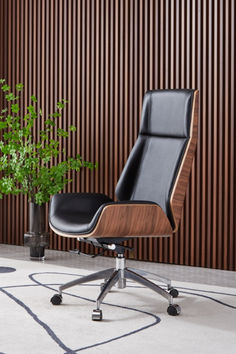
150	193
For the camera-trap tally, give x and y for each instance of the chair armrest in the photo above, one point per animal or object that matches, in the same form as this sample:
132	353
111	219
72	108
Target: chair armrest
131	219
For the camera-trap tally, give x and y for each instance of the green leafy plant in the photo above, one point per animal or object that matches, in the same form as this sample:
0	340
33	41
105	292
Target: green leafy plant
26	162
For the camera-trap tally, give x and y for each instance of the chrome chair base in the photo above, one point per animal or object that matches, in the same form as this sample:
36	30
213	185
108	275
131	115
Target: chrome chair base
117	277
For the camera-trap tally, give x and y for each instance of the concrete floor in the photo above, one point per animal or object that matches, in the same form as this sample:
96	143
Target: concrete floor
173	272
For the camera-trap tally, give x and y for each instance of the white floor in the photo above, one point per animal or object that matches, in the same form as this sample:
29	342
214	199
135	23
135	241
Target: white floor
173	272
135	319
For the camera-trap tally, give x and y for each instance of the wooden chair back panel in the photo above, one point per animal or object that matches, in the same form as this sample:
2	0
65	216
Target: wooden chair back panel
182	180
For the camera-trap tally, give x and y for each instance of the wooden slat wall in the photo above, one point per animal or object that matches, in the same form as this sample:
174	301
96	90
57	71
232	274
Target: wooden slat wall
103	55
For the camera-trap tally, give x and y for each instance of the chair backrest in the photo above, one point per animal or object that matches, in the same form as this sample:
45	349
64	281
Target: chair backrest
159	164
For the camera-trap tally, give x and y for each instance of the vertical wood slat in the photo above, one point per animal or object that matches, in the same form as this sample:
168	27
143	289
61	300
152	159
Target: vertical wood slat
103	56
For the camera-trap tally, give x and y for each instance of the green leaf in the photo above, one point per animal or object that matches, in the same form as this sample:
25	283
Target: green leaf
90	165
15	108
55	115
2	81
63	133
9	119
43	135
31	108
60	105
19	87
33	98
6	136
3	125
5	87
26	131
72	128
10	97
7	185
39	198
50	122
16	126
4	110
26	117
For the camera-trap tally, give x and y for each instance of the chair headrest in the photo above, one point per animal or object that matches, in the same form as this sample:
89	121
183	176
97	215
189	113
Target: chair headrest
167	113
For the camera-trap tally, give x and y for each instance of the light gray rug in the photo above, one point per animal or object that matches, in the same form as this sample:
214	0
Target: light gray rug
135	318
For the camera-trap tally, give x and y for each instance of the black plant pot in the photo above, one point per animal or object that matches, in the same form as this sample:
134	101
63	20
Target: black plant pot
36	238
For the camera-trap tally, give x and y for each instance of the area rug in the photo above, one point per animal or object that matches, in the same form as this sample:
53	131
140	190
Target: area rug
135	318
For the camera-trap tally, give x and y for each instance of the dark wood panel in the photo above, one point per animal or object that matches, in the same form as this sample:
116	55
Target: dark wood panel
103	55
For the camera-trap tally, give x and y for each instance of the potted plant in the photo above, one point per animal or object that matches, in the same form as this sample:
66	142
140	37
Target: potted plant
27	161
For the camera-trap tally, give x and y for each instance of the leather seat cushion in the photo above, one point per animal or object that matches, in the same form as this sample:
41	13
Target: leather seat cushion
78	213
74	213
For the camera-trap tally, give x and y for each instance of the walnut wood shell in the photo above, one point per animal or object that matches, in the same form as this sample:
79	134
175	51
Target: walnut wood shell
120	220
182	180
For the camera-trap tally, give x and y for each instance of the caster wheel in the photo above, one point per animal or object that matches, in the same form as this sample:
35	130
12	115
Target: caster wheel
174	310
97	315
56	299
174	292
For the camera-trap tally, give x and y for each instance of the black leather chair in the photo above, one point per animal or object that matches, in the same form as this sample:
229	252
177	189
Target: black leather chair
150	193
